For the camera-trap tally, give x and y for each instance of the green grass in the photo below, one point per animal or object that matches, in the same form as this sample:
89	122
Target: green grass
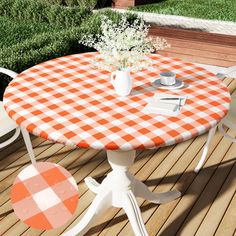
13	32
81	3
205	9
33	32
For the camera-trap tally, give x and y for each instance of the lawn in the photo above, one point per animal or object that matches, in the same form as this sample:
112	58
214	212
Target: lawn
13	32
205	9
33	31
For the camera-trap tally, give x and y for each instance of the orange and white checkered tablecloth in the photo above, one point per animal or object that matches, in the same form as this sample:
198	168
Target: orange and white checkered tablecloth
44	195
68	101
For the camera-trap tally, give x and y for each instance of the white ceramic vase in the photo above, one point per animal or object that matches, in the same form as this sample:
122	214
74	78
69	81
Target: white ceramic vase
122	82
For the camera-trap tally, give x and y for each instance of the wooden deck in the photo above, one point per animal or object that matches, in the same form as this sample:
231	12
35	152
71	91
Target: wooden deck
200	47
208	204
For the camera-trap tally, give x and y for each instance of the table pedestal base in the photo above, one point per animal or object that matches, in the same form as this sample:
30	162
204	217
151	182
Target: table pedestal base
119	189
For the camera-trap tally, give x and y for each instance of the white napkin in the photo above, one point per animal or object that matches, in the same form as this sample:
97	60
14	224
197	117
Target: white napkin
165	104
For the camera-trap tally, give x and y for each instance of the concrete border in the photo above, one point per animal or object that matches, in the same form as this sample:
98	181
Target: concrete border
211	26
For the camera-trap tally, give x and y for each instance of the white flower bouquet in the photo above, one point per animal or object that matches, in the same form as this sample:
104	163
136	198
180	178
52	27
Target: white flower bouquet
123	45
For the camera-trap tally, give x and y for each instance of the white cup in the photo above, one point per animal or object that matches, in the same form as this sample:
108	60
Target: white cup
167	78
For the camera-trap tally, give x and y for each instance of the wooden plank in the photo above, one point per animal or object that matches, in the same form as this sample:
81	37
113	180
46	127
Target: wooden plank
55	152
175	174
84	199
204	47
9	149
201	202
219	206
191	196
196	59
228	223
199	47
199	210
11	158
194	35
11	219
205	54
70	160
8	175
191	186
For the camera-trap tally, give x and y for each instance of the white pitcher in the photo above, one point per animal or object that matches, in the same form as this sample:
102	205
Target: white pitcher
122	82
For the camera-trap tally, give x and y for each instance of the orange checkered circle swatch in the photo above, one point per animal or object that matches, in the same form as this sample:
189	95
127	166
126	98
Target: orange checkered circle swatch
44	196
67	100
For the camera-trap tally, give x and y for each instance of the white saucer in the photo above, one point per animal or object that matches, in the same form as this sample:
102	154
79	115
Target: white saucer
177	85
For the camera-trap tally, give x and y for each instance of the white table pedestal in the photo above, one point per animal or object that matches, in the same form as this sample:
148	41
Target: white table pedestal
119	189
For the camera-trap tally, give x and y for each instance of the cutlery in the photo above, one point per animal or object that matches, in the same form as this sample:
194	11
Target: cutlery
173	99
170	98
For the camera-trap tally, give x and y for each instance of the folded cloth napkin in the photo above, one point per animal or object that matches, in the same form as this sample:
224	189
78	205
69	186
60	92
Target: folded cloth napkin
165	104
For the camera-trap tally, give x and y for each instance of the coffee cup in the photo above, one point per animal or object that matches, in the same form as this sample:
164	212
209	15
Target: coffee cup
167	78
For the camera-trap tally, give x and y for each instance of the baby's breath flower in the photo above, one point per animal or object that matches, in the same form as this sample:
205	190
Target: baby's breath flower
123	45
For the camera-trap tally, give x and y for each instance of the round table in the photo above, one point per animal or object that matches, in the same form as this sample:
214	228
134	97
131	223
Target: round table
67	100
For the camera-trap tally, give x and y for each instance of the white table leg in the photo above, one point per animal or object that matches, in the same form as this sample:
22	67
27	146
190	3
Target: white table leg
205	149
99	205
28	144
133	212
119	189
221	129
142	191
92	184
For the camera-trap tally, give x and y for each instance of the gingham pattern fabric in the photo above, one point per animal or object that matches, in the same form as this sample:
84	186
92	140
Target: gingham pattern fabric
68	101
44	195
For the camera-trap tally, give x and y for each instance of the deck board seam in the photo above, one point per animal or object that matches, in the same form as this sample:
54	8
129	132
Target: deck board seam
45	159
200	150
219	188
225	212
76	182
